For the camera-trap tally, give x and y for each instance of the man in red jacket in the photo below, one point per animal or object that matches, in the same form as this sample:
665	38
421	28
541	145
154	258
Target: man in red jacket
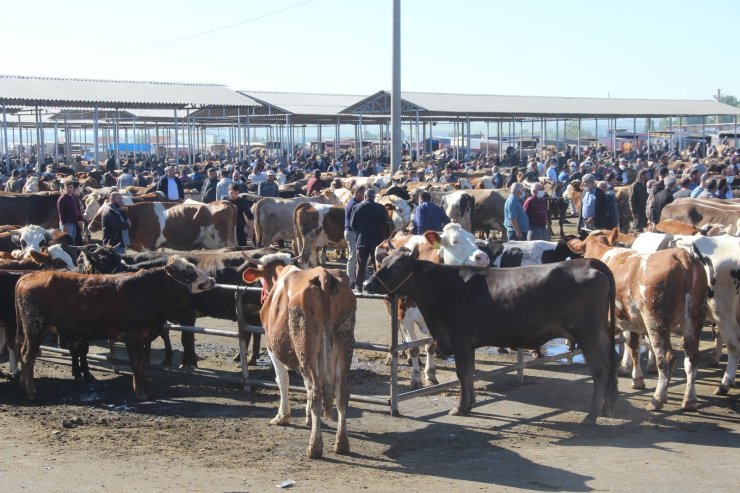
536	208
70	215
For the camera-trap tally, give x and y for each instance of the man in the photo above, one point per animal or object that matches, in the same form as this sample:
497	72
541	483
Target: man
552	171
315	184
368	222
139	178
125	180
497	179
70	215
243	209
516	221
428	216
171	186
257	176
14	184
532	175
594	205
269	187
350	236
709	189
116	224
663	197
638	200
536	209
684	190
208	192
222	187
449	176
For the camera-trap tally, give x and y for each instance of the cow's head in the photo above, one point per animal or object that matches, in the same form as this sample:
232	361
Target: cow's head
394	273
267	269
595	240
59	258
457	246
96	259
186	273
30	238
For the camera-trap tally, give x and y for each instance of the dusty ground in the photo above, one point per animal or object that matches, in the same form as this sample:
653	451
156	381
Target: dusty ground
201	435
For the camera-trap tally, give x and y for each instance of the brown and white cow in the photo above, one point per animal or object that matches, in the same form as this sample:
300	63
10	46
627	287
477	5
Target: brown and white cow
316	226
94	201
656	293
309	321
273	217
84	307
701	212
186	226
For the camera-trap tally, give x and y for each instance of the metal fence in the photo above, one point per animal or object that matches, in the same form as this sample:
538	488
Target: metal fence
394	396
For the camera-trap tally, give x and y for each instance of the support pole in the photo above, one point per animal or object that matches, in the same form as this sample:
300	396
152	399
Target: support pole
95	138
396	91
394	355
177	142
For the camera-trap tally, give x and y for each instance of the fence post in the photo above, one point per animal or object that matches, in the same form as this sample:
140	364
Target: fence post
394	356
520	366
243	348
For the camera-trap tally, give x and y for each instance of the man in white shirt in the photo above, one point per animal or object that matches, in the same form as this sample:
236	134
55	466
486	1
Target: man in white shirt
257	177
222	187
171	186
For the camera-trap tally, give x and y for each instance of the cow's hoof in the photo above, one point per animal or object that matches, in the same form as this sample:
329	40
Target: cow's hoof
90	378
314	453
654	405
79	378
638	383
459	411
690	405
252	361
31	396
280	420
589	420
722	389
432	381
188	366
415	386
342	446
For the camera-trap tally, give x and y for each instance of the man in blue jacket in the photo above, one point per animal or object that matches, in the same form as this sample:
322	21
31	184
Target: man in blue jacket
428	216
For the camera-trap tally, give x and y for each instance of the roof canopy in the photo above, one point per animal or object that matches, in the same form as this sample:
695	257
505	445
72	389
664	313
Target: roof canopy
43	91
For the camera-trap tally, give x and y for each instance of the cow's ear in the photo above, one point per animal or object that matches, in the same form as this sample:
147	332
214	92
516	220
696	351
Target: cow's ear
16	239
433	238
39	257
576	246
251	275
613	235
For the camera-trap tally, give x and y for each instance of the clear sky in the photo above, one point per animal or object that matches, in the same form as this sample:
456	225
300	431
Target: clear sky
643	49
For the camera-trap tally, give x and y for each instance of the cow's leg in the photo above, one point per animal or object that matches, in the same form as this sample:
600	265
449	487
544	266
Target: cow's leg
661	343
281	377
135	349
341	397
633	349
691	325
733	356
74	355
717	352
28	358
112	349
316	443
13	363
409	334
189	358
82	349
651	364
255	349
625	368
598	361
430	371
465	367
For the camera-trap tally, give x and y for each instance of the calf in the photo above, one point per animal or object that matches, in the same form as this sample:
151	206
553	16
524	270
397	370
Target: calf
309	321
82	307
656	294
469	307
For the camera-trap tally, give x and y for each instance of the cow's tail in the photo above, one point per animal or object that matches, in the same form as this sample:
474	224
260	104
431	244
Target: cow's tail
327	367
299	240
258	235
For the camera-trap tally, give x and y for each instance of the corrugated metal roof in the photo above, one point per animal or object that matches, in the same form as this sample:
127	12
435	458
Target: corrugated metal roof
47	91
298	103
496	106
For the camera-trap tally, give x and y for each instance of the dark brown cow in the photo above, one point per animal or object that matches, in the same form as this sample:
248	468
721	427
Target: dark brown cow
83	307
309	321
35	208
185	226
656	293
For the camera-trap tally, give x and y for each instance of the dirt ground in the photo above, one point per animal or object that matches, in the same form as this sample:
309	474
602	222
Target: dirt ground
203	435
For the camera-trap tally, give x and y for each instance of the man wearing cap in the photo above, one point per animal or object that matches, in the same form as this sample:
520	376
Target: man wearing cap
70	215
171	186
269	187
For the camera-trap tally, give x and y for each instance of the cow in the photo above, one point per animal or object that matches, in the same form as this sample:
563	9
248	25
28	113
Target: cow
317	226
459	206
520	253
656	293
185	226
701	212
454	246
35	238
273	217
720	256
36	208
309	321
82	307
673	227
53	257
470	307
94	201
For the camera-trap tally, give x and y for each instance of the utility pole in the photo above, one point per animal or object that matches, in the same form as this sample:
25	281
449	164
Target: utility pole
396	90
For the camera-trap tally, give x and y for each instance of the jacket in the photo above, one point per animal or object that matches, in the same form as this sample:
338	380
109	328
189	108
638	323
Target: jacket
208	192
115	222
162	187
369	221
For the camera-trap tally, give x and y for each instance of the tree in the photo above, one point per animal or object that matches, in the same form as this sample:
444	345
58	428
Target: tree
571	129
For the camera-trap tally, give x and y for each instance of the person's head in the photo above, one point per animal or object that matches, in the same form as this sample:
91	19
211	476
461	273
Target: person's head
317	173
722	186
16	173
360	192
116	199
603	186
69	187
663	171
233	191
710	185
224	173
271	175
669	182
588	181
494	169
236	176
642	176
171	171
211	173
622	163
517	190
425	196
124	169
685	183
538	190
370	194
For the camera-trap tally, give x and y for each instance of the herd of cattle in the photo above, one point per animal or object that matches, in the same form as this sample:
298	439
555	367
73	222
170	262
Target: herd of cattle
452	284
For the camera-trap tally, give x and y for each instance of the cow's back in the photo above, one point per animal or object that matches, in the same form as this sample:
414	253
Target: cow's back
23	209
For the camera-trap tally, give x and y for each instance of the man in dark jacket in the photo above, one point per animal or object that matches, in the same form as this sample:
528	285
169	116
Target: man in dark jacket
243	212
638	200
171	186
369	221
663	197
208	192
116	224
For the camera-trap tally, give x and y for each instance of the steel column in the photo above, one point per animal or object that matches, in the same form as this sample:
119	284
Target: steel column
396	90
95	138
